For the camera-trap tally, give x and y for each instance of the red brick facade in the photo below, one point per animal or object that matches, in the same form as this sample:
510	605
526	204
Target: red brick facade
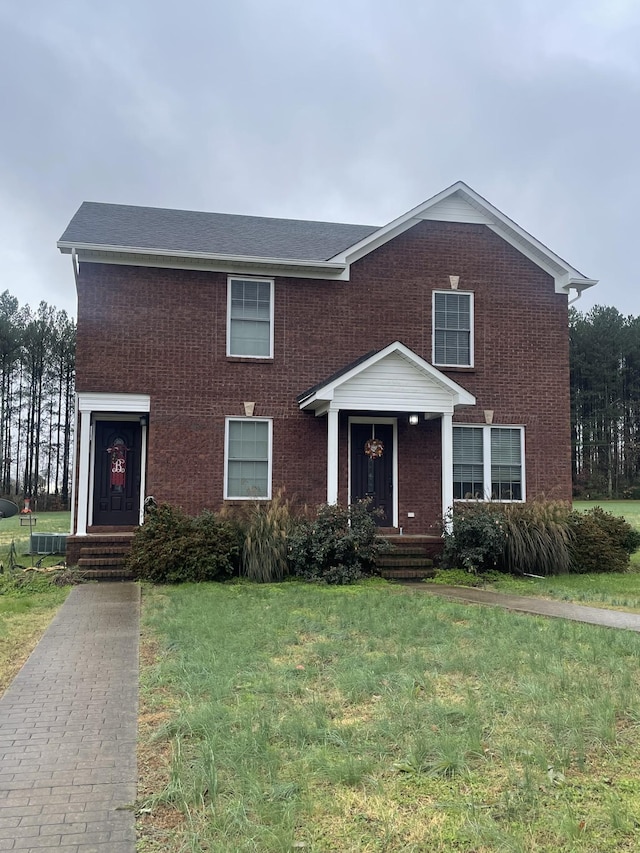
162	332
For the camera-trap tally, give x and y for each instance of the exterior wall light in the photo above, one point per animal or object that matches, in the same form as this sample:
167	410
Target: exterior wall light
413	420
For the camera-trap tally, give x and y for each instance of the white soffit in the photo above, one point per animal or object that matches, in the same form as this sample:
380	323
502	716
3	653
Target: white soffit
94	401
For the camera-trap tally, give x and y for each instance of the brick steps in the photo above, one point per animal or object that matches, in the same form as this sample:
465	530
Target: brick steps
100	556
411	557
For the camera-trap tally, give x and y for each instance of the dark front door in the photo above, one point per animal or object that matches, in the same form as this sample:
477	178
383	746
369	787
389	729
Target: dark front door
116	489
372	468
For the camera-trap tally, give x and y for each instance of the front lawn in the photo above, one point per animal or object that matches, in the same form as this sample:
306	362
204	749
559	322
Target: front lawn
16	529
24	615
25	612
630	510
371	718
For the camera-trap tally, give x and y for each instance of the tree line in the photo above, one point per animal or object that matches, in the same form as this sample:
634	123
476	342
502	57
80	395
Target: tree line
37	381
605	403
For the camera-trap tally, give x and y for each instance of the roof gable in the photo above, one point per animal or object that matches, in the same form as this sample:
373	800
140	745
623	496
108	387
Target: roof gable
392	379
459	203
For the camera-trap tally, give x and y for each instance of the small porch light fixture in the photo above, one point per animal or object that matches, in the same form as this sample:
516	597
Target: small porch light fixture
413	420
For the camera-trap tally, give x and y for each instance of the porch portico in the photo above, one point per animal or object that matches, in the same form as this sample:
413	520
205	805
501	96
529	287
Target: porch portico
378	389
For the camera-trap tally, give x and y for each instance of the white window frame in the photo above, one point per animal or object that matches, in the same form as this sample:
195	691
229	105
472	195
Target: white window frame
270	282
468	294
486	463
227	496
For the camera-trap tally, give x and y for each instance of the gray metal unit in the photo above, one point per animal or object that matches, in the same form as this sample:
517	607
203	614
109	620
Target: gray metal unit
48	543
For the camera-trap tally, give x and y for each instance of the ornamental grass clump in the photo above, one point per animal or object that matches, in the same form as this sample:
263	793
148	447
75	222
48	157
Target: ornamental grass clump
538	538
267	526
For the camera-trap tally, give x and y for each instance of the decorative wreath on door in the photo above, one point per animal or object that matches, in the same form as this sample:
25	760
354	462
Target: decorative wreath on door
374	448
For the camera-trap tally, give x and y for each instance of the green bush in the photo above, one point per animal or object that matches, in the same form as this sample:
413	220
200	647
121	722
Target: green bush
338	546
173	547
601	542
474	539
515	538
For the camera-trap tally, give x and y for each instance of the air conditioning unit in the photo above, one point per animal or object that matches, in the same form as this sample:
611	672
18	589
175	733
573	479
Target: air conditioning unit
48	543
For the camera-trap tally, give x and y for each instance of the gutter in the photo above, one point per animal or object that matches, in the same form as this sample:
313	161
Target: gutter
73	248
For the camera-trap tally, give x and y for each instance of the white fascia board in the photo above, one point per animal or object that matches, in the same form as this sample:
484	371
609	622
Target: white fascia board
460	396
510	231
93	401
213	262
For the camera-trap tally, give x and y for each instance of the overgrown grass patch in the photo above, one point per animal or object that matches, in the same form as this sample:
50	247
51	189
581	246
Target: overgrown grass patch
351	719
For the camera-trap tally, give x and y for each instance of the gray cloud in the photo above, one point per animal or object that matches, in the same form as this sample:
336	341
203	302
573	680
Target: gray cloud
353	111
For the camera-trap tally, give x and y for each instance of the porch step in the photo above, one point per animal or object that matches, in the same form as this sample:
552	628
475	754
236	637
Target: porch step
100	556
411	556
407	574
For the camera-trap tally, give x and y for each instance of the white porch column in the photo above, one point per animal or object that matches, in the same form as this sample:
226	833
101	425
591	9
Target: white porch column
83	472
447	463
332	456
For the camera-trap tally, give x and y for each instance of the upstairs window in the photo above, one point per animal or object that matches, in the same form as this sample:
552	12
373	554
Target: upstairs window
488	463
453	329
248	458
250	317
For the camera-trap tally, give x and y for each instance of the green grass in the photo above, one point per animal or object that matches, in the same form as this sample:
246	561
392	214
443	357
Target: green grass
25	612
354	719
630	510
16	529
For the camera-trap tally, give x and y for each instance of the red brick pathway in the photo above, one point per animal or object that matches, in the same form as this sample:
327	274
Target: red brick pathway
68	725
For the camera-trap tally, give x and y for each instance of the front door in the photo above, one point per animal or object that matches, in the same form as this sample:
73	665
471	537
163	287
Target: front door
116	490
372	468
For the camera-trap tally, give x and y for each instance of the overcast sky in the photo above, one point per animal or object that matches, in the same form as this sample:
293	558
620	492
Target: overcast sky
342	110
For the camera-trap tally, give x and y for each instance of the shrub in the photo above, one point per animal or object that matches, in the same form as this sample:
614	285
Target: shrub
601	542
528	538
172	547
338	546
265	548
538	538
474	539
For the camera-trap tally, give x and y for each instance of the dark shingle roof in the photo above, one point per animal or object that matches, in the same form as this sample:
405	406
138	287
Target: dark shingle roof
131	227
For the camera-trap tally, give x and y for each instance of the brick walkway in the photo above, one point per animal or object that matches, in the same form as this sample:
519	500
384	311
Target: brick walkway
68	726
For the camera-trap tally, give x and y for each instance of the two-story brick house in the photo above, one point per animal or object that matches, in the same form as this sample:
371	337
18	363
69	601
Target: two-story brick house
221	357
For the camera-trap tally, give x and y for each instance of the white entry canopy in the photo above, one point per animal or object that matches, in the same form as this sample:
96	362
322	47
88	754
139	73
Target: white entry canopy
393	379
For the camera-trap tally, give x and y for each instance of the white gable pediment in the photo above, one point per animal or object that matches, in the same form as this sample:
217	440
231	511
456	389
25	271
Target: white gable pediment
394	379
455	208
459	203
